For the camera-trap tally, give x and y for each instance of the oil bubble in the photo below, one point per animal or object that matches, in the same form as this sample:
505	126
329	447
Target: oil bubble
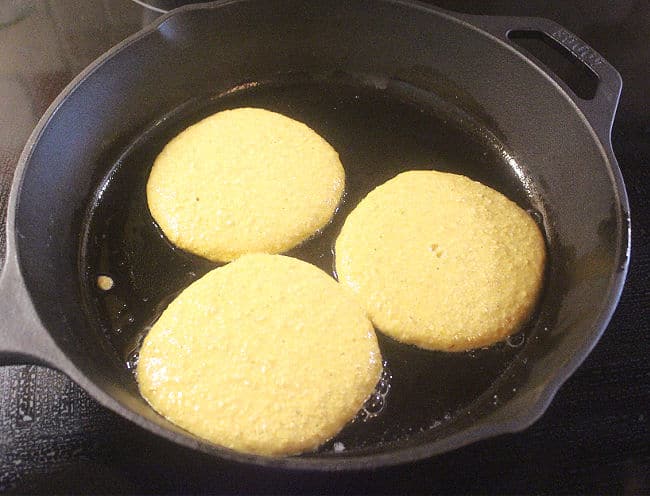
134	356
376	403
516	340
132	361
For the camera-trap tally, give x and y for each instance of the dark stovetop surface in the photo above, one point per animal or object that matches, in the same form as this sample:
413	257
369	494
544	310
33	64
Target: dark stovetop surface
594	438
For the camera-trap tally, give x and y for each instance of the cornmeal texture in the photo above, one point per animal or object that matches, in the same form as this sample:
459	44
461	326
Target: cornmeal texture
245	180
266	355
441	261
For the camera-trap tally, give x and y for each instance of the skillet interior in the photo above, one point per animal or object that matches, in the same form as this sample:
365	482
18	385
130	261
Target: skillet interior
378	133
131	102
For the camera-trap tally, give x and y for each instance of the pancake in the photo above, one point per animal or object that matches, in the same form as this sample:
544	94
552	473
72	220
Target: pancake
244	181
441	261
266	355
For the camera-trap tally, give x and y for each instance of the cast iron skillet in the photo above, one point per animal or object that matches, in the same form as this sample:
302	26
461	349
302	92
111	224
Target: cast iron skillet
391	85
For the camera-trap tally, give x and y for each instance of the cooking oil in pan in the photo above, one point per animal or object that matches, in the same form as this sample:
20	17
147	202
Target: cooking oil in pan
378	133
379	397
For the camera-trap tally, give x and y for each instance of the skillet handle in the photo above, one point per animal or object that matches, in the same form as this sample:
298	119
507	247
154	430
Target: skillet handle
23	339
600	110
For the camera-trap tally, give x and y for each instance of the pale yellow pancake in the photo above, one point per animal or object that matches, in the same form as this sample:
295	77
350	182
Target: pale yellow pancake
244	181
265	355
441	261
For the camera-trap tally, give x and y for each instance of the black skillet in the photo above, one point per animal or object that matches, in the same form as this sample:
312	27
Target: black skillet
391	85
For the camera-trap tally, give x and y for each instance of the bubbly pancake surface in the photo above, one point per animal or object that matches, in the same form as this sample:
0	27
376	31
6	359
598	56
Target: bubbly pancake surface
441	261
265	355
245	180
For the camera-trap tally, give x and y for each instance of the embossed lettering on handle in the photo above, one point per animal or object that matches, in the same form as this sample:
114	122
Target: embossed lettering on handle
580	49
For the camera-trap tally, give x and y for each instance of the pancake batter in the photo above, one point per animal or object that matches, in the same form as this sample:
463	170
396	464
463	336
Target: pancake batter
244	181
441	261
265	355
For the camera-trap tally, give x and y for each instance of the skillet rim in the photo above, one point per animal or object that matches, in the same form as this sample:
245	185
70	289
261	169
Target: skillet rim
325	462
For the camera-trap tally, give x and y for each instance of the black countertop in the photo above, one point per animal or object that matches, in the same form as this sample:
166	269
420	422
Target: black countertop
594	438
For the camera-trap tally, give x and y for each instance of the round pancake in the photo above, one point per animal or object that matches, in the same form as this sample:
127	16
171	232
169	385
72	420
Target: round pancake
441	261
245	180
265	355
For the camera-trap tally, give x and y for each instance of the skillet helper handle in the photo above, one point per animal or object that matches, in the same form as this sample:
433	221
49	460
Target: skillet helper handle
601	109
23	339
